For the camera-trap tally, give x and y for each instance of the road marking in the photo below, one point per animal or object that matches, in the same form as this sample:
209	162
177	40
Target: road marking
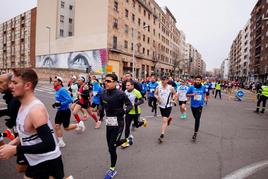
151	116
247	170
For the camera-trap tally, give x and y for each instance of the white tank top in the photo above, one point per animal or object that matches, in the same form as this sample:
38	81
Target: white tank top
28	139
165	96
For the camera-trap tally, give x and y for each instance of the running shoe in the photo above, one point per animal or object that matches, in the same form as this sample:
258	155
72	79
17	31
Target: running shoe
61	144
98	124
161	138
182	116
125	145
169	121
130	140
81	125
110	174
145	122
194	137
185	116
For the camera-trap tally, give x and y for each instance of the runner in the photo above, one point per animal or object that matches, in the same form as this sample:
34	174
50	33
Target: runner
63	115
112	102
151	99
135	98
165	94
196	92
36	140
182	98
96	92
207	85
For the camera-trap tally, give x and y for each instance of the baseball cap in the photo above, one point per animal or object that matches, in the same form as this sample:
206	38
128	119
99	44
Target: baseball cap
59	78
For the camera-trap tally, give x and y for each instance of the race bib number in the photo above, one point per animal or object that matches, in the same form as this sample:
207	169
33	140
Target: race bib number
151	90
111	121
206	89
95	93
198	97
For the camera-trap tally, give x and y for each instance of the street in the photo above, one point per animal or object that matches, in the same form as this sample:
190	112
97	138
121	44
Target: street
231	137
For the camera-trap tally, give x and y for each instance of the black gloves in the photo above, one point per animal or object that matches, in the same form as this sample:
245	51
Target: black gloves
56	104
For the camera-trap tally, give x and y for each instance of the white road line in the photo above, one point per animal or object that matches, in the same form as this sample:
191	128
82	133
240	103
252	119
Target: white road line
247	170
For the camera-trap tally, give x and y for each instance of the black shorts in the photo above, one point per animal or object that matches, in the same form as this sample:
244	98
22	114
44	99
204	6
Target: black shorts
85	105
182	102
94	105
63	117
165	112
45	169
21	160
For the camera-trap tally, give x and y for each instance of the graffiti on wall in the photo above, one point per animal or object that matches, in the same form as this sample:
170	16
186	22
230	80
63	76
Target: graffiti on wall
94	60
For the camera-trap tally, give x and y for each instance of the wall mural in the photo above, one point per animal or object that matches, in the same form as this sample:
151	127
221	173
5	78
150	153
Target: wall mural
94	60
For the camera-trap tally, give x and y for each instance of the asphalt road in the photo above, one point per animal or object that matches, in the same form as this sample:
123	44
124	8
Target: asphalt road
231	137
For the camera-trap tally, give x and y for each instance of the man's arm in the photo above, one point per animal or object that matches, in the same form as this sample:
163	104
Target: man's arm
127	103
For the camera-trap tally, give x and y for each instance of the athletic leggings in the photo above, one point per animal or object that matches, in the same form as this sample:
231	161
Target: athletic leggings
218	91
129	118
152	103
113	135
197	115
262	99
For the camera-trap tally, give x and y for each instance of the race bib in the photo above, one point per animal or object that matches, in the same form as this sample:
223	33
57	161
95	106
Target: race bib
95	93
198	97
151	90
111	121
206	90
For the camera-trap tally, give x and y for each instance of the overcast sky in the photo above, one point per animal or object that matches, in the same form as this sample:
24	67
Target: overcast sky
209	25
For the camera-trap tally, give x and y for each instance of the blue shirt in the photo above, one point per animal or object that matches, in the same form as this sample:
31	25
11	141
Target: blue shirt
151	87
207	86
63	96
198	99
96	91
143	88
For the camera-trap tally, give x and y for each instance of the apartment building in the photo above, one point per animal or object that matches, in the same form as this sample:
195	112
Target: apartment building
106	35
235	57
245	58
224	70
17	41
259	41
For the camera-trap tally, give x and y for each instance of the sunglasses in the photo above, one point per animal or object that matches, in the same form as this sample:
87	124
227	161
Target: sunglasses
109	81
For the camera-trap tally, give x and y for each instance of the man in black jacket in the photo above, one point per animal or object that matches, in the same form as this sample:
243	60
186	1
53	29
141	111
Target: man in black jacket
13	104
112	103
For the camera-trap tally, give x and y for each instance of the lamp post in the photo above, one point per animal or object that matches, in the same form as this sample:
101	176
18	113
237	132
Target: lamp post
49	28
133	52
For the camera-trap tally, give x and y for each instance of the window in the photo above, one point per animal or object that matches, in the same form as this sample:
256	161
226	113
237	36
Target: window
70	33
126	28
143	50
70	20
148	40
114	42
144	12
126	13
139	21
62	4
126	44
133	3
61	18
143	38
131	46
115	25
71	7
133	17
116	5
148	52
61	32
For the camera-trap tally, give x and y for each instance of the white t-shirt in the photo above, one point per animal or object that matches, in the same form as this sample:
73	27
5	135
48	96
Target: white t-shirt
181	92
165	96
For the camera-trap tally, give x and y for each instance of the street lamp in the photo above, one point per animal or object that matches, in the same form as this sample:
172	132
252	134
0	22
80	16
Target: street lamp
133	52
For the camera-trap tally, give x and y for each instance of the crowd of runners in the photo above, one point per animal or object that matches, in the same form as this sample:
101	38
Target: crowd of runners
36	142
